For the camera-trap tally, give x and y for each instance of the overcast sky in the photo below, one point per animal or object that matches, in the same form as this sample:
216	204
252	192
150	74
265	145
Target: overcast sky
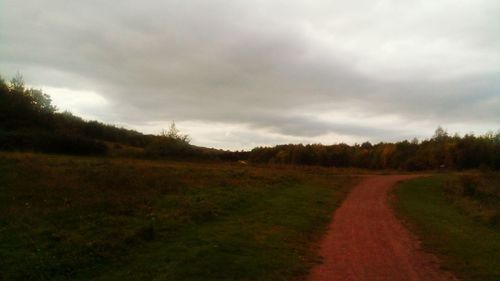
239	74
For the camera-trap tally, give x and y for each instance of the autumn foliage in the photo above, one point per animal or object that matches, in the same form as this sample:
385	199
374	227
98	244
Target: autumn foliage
29	122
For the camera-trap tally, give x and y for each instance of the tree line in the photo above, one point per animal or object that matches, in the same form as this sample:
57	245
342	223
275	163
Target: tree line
29	121
442	151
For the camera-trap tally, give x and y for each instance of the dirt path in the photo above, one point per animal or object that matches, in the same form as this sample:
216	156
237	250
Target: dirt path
366	242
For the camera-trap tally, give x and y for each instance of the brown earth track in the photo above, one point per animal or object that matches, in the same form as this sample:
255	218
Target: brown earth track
366	242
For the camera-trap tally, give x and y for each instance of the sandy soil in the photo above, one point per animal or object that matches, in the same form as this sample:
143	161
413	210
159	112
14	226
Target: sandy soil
365	241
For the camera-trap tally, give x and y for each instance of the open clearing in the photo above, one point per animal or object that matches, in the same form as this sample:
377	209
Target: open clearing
365	241
82	218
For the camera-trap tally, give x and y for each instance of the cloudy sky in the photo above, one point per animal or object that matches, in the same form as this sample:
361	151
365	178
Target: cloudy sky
238	74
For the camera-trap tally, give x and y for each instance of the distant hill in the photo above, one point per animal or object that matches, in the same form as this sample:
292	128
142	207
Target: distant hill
29	122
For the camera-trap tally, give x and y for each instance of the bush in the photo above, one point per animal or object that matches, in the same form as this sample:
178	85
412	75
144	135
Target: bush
165	146
51	143
170	143
72	145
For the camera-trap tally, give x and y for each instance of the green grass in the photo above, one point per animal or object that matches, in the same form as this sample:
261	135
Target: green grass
77	218
466	245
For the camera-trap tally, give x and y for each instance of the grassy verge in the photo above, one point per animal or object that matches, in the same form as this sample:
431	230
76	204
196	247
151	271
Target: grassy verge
71	218
468	246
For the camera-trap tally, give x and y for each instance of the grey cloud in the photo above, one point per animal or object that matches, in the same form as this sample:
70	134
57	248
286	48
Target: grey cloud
265	63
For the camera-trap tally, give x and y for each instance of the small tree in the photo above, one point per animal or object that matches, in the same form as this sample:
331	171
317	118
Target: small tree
175	134
170	143
440	134
29	98
40	101
17	83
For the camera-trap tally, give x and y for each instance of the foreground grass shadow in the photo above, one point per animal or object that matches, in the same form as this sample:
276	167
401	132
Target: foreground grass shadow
466	245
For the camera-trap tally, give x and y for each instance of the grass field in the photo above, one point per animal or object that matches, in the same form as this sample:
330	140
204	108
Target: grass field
70	218
466	243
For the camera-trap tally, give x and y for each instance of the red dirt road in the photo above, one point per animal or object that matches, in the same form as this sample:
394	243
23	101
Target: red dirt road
366	242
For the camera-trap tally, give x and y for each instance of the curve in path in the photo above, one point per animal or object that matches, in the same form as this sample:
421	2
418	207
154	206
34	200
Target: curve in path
366	242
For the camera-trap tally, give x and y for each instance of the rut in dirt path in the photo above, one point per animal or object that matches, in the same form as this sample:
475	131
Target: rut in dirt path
366	242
